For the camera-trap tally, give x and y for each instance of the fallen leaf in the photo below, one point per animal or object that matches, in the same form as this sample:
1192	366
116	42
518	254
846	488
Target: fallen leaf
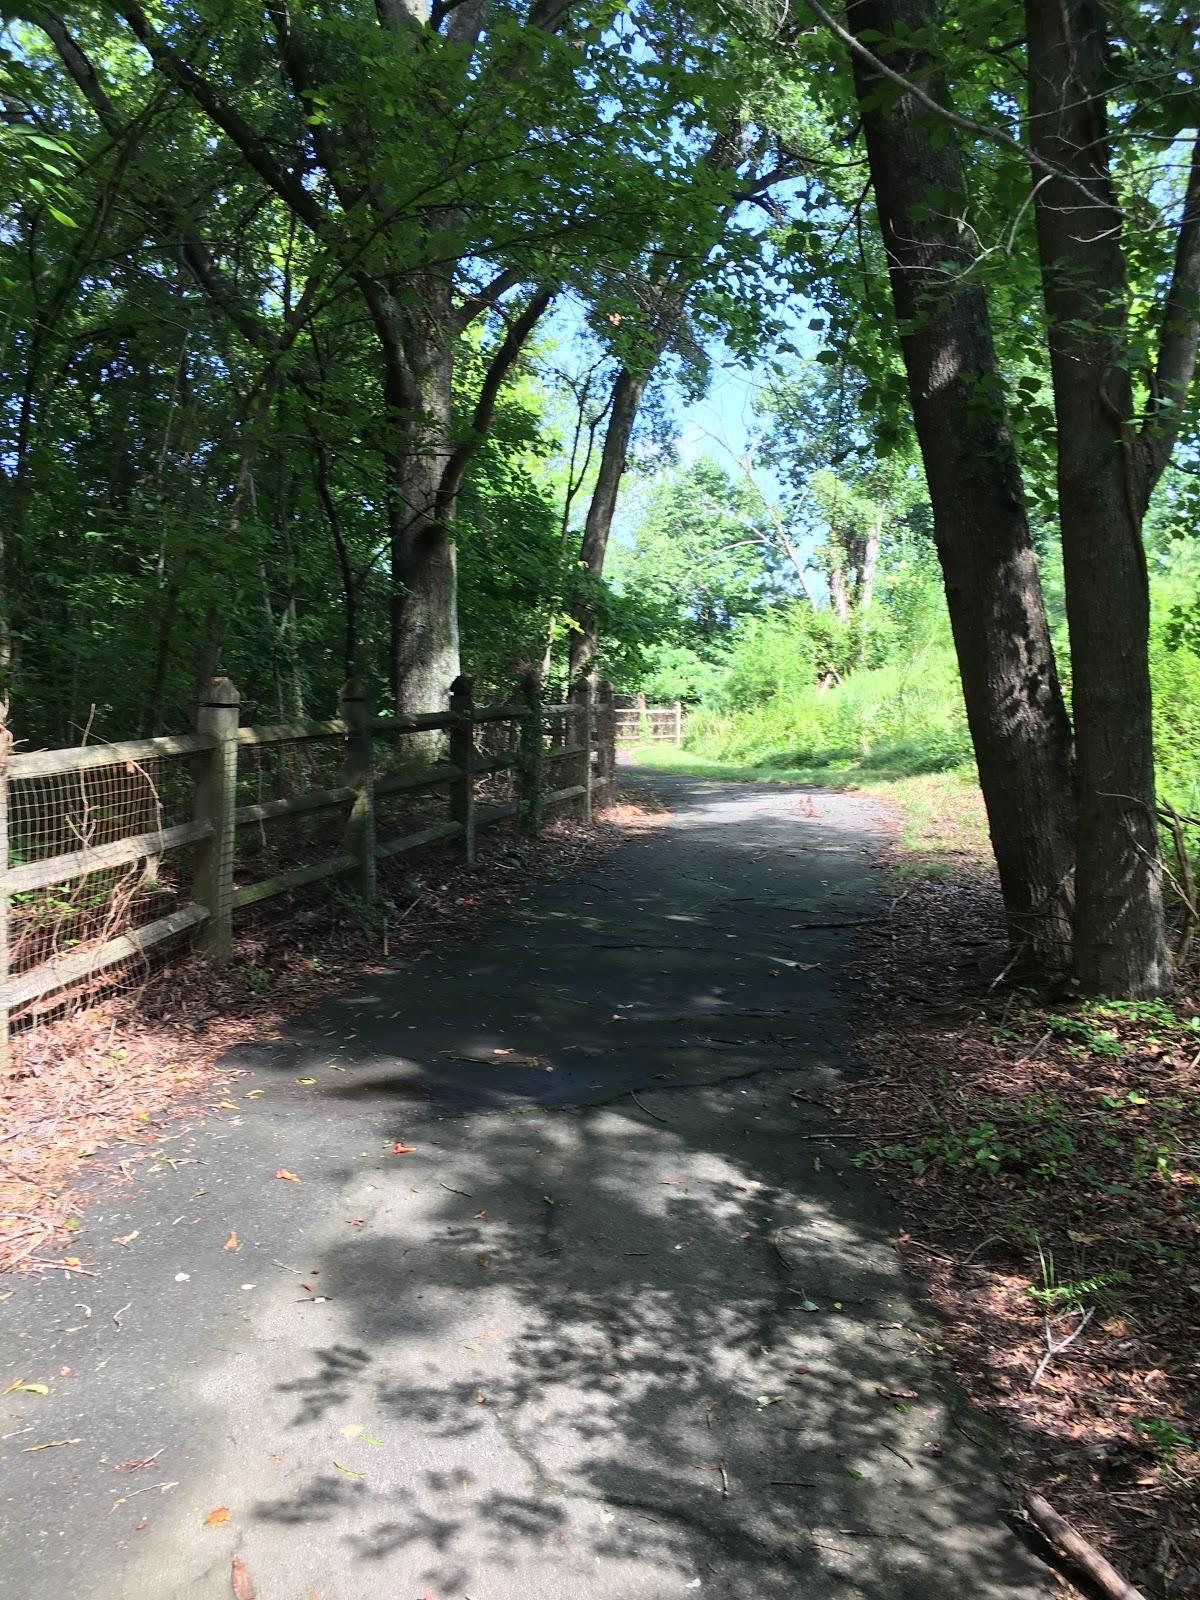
896	1394
402	1149
479	1216
502	1052
127	1238
231	1243
306	1080
243	1589
288	1177
367	1439
809	1305
853	1472
224	1105
28	1388
217	1518
349	1471
355	1222
351	1430
254	1094
480	1399
485	1261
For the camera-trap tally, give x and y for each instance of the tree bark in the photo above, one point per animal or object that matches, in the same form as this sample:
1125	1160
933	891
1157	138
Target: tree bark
1014	702
417	345
1120	942
627	397
835	576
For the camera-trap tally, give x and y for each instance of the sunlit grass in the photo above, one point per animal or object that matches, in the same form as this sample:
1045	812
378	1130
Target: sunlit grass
941	815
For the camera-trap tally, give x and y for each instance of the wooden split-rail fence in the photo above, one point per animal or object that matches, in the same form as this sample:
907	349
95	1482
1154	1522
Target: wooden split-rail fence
94	840
639	723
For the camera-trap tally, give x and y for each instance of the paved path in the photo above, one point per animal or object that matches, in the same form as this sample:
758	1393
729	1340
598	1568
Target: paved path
615	1330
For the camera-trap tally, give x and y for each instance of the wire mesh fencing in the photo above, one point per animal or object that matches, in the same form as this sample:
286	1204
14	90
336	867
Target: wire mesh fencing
115	854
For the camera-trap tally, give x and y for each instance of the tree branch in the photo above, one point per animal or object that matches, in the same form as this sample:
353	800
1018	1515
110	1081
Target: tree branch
486	297
1179	334
516	334
222	115
968	124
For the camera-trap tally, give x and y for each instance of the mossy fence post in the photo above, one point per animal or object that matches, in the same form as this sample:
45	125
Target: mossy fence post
462	756
584	695
216	803
354	707
5	748
606	742
532	758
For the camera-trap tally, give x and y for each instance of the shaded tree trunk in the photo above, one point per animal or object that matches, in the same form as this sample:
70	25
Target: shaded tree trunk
627	397
1120	944
1010	683
417	344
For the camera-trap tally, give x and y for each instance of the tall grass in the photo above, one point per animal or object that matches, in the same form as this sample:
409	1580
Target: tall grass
902	718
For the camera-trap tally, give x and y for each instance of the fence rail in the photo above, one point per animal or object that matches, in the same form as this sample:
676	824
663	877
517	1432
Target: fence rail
635	722
155	838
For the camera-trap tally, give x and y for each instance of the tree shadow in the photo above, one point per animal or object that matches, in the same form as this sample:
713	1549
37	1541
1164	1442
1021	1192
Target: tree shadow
638	1321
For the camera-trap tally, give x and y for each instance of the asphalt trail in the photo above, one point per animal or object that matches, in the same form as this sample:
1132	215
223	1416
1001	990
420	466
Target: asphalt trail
615	1329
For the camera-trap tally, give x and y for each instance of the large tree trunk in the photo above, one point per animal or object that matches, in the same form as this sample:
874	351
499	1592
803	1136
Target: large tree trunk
1120	947
1010	683
627	397
418	343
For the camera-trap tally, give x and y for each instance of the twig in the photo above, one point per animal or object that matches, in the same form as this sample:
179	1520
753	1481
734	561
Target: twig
928	1250
778	1249
992	1238
150	1487
724	1479
1037	1049
117	1315
449	1187
1077	1550
646	1109
899	1455
1057	1349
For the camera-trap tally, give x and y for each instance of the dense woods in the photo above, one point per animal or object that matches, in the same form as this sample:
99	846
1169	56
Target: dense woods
364	341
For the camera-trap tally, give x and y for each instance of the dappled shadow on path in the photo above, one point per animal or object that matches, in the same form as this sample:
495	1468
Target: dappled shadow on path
634	1324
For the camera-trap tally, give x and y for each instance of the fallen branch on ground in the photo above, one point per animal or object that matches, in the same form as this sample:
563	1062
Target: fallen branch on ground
1078	1551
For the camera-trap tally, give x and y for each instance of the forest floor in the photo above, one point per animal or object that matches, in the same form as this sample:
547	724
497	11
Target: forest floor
537	1265
1045	1153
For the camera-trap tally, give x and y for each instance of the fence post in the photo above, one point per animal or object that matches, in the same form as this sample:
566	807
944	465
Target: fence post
215	803
531	754
354	708
583	694
5	748
462	755
643	722
606	740
678	708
